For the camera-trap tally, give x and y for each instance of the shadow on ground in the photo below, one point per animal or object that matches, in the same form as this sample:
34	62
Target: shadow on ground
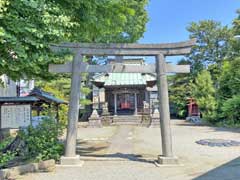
122	156
99	150
90	148
228	171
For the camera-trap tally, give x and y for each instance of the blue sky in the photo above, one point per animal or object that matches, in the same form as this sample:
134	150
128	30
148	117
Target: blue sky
168	19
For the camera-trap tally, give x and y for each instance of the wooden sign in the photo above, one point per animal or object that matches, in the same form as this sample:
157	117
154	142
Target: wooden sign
15	116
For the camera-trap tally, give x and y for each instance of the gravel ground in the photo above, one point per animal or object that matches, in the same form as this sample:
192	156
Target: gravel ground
197	162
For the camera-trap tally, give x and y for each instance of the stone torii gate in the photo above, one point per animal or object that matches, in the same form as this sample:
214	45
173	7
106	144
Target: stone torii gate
161	68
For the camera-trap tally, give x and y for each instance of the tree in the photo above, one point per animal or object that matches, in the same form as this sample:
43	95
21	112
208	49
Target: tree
210	50
235	43
203	92
231	111
179	90
107	20
61	89
230	79
27	28
212	45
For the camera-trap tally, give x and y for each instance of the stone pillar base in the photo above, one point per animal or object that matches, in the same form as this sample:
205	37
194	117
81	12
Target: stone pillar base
95	122
162	160
106	120
71	161
105	112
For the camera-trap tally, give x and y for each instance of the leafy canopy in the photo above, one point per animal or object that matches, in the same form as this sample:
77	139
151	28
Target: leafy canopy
27	27
212	44
230	79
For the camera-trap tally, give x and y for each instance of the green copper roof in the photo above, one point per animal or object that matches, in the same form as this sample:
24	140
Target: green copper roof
116	79
119	79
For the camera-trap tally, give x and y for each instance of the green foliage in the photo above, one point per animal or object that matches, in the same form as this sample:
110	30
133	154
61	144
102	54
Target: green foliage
179	91
42	141
203	91
235	43
5	142
215	74
61	89
209	52
6	157
212	45
229	80
106	21
178	96
57	88
231	110
27	28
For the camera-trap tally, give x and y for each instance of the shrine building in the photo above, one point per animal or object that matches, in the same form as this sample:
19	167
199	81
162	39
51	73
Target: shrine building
124	93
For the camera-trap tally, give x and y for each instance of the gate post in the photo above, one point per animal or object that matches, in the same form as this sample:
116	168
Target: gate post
167	154
70	157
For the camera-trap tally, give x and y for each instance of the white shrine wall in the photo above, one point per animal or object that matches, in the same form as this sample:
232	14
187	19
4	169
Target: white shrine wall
9	87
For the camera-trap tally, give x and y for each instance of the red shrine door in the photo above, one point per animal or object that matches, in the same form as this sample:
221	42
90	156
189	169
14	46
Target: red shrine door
125	101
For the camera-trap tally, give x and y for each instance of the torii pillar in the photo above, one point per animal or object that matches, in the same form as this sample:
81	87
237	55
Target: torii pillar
162	84
70	157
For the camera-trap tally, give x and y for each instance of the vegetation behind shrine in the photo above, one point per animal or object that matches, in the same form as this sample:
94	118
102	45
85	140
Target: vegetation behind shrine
214	81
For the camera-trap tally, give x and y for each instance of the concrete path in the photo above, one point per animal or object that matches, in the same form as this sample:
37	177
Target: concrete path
128	142
122	141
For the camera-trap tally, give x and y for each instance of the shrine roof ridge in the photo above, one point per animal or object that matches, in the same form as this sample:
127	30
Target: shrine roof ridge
45	96
17	99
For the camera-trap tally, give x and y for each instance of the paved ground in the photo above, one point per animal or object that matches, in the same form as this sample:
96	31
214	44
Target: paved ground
138	147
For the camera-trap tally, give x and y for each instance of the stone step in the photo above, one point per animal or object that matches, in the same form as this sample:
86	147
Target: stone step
130	123
122	123
127	117
126	123
128	120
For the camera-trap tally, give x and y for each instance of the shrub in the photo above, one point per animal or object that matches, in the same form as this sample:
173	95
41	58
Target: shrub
231	110
42	141
5	142
8	156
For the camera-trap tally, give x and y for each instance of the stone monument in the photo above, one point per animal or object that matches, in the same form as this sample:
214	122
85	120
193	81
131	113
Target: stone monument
94	119
155	117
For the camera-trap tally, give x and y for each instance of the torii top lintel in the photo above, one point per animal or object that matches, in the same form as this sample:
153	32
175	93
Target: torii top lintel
168	49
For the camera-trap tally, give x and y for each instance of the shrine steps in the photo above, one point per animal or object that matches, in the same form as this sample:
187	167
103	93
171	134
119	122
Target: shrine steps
129	120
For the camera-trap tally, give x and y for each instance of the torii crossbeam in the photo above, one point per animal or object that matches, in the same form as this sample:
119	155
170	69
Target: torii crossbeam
117	68
161	68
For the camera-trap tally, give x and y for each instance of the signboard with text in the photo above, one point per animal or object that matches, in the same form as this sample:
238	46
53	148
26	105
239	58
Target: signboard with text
15	116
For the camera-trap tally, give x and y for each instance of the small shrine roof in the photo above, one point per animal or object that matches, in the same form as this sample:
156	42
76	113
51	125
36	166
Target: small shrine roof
18	99
121	79
45	96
